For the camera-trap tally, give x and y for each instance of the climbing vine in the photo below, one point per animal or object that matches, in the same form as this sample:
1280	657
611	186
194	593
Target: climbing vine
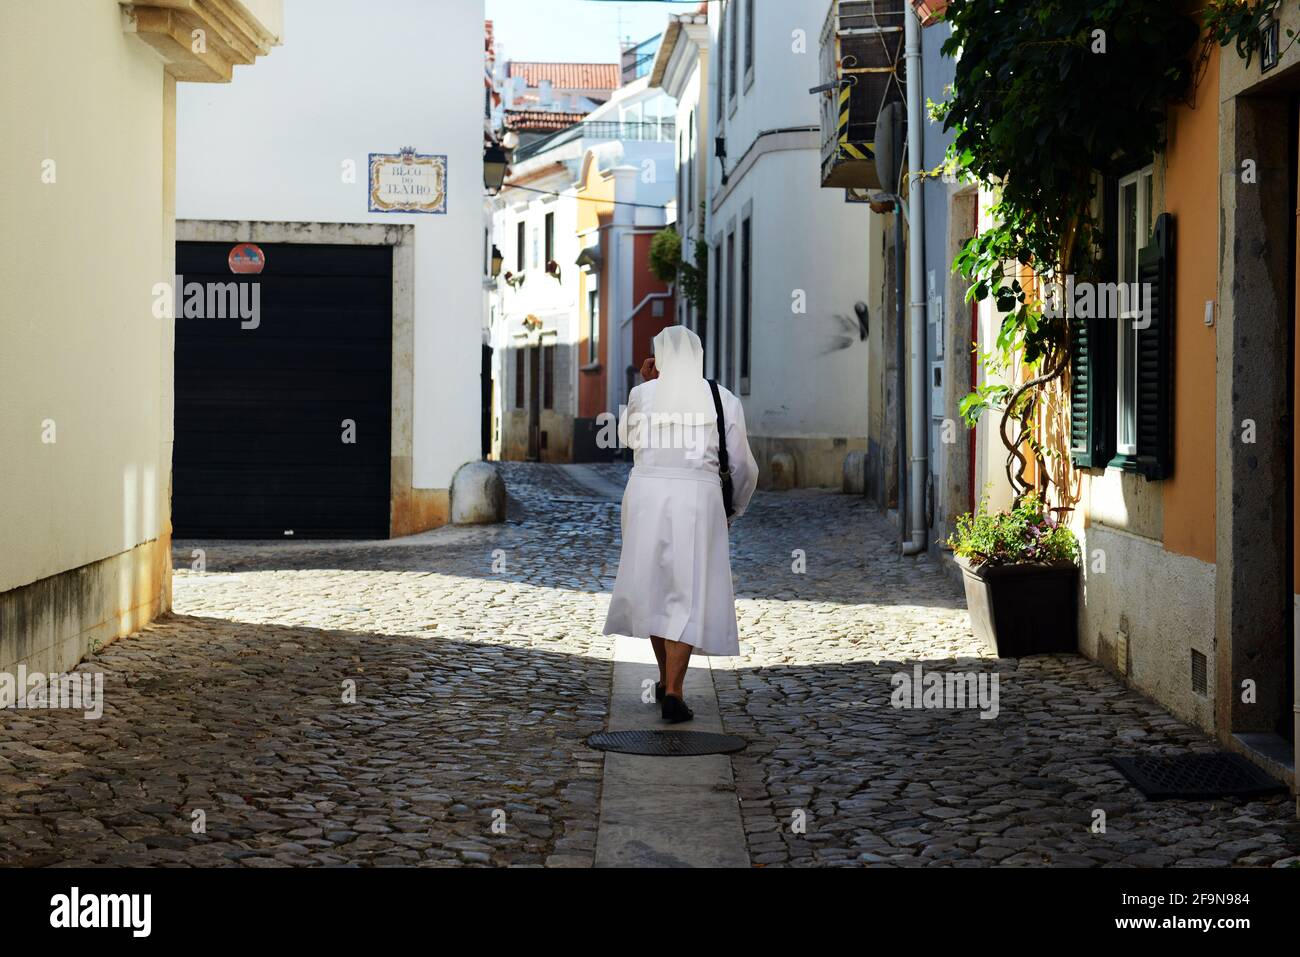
1047	95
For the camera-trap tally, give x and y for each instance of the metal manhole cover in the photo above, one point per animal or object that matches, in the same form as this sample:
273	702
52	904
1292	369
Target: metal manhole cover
1196	776
666	744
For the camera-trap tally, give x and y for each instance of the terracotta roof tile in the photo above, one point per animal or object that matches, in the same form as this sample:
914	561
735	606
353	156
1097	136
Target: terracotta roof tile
541	120
568	76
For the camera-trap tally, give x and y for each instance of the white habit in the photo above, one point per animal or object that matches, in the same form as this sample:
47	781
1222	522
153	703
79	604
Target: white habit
674	574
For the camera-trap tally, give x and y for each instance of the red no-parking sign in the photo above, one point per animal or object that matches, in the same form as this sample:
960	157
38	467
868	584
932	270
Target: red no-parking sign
246	258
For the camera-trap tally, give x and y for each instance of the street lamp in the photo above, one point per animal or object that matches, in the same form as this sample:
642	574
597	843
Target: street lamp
495	164
497	261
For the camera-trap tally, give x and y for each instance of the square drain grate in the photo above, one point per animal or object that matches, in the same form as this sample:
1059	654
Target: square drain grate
1196	776
666	744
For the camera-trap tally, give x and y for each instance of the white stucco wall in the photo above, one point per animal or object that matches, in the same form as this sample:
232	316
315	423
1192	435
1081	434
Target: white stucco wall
361	78
555	301
79	257
809	371
685	77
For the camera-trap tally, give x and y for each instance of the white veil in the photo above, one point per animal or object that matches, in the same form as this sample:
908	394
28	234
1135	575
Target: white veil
681	387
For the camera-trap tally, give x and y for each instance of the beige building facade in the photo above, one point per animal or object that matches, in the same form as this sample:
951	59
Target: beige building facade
86	374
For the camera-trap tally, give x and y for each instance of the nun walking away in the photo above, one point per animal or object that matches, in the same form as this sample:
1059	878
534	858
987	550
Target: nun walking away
693	475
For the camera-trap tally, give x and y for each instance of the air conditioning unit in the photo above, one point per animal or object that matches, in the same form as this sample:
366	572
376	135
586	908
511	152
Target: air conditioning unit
862	70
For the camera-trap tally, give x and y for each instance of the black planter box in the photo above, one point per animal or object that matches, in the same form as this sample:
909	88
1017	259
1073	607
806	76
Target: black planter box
1018	610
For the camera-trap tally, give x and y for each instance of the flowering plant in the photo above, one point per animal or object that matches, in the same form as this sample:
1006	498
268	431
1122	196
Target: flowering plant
1027	533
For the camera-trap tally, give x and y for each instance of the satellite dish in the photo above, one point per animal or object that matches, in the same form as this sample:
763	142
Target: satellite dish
889	145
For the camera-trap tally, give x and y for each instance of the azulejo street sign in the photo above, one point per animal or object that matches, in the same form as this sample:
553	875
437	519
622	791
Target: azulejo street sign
408	182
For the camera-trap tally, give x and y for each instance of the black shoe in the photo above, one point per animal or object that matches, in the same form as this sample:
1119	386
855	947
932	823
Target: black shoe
659	691
675	710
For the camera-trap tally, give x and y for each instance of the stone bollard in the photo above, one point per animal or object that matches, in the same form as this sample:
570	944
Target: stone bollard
478	495
855	474
781	469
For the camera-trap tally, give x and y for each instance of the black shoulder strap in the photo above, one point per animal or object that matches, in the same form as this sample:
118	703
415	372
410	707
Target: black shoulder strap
724	464
724	461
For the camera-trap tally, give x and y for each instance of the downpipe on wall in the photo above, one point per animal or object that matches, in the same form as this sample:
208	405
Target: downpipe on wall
900	370
920	458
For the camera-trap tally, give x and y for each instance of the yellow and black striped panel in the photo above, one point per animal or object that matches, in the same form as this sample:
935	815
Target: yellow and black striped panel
850	150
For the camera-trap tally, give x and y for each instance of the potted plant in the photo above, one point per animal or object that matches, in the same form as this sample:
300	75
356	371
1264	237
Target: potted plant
1021	572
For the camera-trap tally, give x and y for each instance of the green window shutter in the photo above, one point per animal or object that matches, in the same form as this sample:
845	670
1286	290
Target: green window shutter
1085	420
1155	356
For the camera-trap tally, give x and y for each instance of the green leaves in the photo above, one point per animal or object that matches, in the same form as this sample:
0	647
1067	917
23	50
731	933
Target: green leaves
985	397
667	264
1036	109
1238	23
666	254
1026	533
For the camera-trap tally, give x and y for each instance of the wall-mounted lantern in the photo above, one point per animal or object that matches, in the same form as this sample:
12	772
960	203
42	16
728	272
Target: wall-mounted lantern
495	166
497	261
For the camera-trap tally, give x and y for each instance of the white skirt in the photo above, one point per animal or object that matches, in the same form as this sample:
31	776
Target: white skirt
674	574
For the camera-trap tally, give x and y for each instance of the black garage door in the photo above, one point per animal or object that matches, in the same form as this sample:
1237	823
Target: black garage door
261	413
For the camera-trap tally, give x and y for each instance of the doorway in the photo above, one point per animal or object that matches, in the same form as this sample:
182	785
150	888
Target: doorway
282	422
534	403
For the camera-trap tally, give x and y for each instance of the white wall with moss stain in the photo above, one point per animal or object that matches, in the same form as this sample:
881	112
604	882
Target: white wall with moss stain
84	104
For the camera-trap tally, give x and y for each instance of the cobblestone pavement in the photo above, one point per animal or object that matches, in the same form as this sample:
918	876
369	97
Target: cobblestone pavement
475	692
871	784
477	683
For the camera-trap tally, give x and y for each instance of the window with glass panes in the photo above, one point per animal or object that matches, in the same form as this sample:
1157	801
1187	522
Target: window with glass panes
1135	225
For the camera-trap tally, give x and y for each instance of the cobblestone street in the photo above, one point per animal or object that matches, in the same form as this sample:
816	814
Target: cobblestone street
479	671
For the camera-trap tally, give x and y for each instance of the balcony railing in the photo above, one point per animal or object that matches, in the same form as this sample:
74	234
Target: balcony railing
660	132
638	60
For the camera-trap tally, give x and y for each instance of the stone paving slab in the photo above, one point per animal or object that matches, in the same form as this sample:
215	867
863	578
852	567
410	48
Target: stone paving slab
666	812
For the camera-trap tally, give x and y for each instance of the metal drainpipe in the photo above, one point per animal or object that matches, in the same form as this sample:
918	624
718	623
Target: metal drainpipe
900	371
920	458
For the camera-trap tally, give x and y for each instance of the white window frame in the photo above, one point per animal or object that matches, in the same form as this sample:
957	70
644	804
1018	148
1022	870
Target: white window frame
1130	313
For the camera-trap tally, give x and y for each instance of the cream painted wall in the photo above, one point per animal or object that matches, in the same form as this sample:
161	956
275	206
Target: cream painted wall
79	258
362	78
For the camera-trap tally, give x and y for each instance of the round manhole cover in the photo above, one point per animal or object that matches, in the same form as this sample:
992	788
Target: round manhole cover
667	744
